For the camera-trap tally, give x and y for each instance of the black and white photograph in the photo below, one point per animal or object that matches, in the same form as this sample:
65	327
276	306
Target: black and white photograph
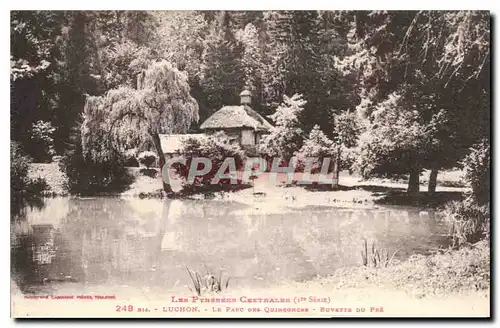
250	164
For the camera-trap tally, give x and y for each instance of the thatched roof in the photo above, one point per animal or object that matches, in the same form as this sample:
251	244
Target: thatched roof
170	143
236	117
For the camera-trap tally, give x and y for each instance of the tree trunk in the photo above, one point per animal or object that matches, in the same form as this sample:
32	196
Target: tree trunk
336	170
433	181
161	156
414	182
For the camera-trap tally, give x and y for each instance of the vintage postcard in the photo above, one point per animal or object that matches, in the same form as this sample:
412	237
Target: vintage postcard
247	164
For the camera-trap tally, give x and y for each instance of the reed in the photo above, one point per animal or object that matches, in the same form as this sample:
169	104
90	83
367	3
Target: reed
208	283
374	257
364	255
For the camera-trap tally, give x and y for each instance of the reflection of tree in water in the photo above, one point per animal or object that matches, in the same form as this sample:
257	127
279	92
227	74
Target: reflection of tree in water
244	246
37	259
410	230
99	239
335	238
19	206
25	251
23	269
111	241
200	234
322	238
266	250
149	243
117	242
284	251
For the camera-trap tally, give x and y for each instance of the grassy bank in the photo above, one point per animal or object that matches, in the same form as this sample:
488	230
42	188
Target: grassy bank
449	271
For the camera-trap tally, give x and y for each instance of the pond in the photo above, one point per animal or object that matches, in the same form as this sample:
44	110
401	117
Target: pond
148	243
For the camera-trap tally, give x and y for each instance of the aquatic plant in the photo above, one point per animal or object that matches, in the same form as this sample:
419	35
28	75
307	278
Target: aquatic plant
208	283
375	257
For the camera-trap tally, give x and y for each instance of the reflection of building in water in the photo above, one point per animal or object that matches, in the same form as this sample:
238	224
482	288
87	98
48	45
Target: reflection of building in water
43	243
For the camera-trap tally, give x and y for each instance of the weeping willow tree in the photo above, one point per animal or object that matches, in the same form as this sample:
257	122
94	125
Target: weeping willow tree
127	118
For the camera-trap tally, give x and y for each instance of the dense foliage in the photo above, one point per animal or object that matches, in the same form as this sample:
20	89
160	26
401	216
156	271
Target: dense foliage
426	71
42	135
217	148
23	190
477	171
287	136
87	175
470	218
346	131
317	146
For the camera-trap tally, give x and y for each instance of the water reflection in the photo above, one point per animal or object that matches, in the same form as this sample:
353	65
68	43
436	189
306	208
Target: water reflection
149	243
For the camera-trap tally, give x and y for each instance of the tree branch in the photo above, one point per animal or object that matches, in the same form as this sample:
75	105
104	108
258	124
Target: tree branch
120	117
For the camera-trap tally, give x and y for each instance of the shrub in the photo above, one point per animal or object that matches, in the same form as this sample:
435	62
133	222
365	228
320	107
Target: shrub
23	190
477	171
42	137
317	145
89	175
217	148
470	221
147	158
19	165
286	137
